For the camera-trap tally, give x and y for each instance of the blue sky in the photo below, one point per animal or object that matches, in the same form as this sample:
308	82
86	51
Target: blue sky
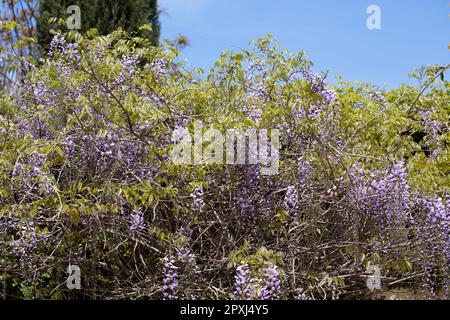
332	32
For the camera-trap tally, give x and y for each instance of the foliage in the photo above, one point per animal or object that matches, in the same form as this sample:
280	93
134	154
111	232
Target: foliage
87	178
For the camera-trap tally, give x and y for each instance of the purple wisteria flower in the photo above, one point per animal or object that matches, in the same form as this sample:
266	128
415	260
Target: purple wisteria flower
389	195
434	130
248	287
297	111
68	50
170	279
254	112
137	223
314	112
319	86
258	93
184	254
250	190
179	134
158	67
272	282
301	295
108	153
197	199
378	98
242	282
305	170
291	199
32	177
25	246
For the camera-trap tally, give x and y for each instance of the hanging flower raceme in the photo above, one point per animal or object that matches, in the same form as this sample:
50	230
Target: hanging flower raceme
242	283
31	177
170	279
272	282
137	223
197	199
291	199
250	287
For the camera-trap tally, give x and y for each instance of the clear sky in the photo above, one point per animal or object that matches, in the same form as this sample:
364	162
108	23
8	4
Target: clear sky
332	32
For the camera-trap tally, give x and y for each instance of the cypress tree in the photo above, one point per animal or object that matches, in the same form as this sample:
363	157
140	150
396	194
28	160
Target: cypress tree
153	20
104	15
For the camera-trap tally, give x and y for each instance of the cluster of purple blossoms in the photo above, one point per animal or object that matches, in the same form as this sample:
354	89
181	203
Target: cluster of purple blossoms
38	92
31	175
434	244
99	51
197	199
255	65
170	279
187	258
180	267
258	93
446	243
291	199
158	67
329	96
123	81
35	127
179	134
383	195
250	190
434	130
308	74
305	171
358	184
389	196
247	208
378	98
437	212
397	176
25	246
298	111
108	153
248	287
252	173
254	112
431	126
42	94
242	282
7	221
312	113
333	191
128	68
69	50
319	86
137	223
301	295
272	282
184	253
151	97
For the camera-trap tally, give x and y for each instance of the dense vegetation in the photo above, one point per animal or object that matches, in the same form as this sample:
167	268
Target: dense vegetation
87	178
